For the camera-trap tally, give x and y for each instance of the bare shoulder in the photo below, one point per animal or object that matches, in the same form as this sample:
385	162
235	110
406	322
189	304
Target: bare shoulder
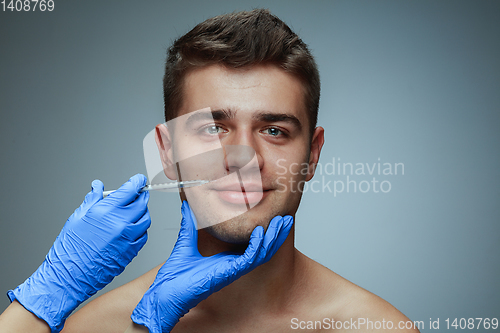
342	305
111	312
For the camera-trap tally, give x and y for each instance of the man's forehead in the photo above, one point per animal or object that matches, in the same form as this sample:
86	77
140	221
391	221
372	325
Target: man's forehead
247	76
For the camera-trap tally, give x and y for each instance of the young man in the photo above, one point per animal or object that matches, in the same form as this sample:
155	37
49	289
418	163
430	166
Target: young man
262	85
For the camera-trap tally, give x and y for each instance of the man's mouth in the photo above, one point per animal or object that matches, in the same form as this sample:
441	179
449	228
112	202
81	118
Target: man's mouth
244	193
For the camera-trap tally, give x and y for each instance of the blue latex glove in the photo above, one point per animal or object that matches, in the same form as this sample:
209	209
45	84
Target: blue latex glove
96	243
187	277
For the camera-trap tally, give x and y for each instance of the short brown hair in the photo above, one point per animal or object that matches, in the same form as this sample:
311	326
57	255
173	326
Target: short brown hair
237	40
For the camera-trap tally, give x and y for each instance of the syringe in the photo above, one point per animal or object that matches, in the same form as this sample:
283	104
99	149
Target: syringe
166	186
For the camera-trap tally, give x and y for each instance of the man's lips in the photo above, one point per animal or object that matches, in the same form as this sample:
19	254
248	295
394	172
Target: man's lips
238	187
240	198
245	193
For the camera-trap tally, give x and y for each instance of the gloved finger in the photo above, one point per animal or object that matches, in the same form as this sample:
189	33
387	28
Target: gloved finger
136	209
138	244
128	192
188	235
107	215
142	199
249	257
119	256
136	230
280	238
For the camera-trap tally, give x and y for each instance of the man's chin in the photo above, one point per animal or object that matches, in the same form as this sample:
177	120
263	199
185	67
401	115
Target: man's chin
235	231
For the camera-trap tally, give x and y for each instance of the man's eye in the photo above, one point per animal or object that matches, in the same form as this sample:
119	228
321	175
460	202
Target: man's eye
213	129
273	131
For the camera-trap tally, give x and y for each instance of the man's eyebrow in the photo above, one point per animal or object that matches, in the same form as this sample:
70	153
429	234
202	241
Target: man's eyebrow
270	117
198	116
223	114
210	115
226	114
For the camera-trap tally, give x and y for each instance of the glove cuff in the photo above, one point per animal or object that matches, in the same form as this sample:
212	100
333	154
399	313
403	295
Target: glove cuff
53	305
157	320
38	305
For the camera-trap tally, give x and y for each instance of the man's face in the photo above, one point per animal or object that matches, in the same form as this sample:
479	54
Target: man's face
261	107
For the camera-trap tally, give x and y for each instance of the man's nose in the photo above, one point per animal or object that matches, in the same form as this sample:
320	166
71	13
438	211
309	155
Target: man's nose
237	157
241	150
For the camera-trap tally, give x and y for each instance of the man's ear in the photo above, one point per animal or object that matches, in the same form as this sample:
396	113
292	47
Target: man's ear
318	139
164	143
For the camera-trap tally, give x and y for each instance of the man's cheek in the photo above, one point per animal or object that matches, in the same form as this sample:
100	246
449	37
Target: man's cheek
290	183
281	183
282	167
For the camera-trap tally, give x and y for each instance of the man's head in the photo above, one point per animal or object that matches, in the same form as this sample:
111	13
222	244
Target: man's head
262	86
238	40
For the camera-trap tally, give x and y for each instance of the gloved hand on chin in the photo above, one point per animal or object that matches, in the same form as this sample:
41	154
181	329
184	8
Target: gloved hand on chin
187	277
96	243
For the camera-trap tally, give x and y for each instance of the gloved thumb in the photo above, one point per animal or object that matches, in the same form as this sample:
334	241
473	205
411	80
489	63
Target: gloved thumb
188	235
97	189
247	259
94	196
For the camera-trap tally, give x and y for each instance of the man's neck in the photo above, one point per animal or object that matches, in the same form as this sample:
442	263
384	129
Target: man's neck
263	289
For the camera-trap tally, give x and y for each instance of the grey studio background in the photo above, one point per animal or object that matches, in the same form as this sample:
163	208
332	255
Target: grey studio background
411	82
